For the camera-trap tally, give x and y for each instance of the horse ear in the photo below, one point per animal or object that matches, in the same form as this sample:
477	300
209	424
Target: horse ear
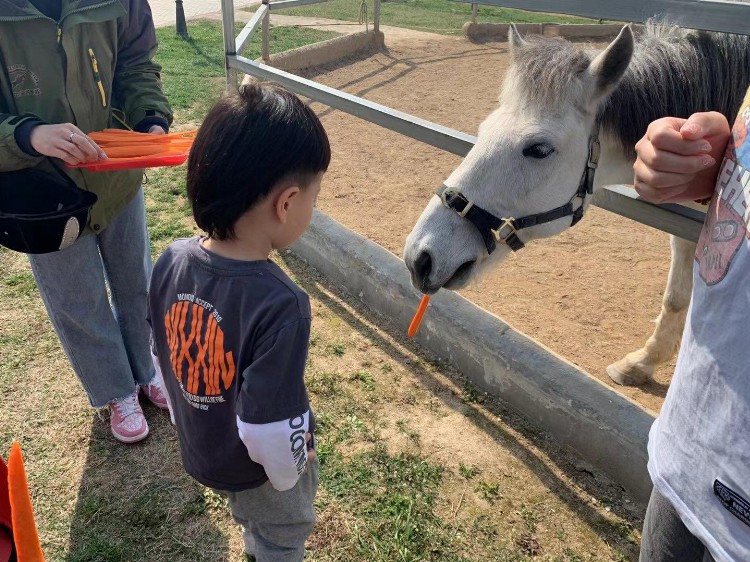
514	38
610	65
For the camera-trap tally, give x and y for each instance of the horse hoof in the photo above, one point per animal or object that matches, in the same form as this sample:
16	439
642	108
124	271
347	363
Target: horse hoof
629	373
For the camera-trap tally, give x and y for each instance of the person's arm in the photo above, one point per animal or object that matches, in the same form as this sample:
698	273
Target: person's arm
280	447
679	159
12	155
273	414
137	81
26	139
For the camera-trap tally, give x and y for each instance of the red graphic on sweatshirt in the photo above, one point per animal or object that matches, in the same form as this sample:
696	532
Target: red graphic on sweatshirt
196	343
719	241
726	222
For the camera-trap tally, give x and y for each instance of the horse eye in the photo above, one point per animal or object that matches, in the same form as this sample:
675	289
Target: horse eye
539	150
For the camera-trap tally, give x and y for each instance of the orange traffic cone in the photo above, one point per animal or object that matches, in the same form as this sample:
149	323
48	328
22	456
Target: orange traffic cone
25	535
6	525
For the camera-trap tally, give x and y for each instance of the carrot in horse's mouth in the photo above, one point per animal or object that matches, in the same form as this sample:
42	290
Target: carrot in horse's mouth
417	320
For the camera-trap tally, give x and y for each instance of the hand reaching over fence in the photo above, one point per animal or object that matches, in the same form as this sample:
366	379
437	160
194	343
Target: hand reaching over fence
679	159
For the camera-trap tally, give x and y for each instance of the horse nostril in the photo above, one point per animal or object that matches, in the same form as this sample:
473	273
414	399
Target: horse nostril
464	269
422	267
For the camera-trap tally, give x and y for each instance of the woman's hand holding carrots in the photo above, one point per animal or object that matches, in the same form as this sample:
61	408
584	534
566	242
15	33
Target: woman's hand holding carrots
66	142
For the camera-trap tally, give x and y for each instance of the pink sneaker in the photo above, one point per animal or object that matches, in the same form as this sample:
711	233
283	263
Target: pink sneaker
156	393
127	421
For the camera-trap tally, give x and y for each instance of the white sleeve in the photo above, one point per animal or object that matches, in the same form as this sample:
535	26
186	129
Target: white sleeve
280	447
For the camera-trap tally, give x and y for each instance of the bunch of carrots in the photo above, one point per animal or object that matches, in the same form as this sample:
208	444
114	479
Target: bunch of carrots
117	143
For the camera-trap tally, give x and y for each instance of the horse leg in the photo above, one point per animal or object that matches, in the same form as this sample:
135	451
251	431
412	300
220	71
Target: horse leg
637	367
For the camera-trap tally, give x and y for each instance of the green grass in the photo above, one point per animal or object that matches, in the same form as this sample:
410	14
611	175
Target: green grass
336	349
440	16
193	72
468	472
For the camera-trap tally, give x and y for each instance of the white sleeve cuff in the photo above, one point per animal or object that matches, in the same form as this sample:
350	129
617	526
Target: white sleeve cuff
280	447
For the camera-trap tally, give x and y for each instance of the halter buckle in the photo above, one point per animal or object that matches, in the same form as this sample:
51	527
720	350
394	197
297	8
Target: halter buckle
449	197
498	232
595	149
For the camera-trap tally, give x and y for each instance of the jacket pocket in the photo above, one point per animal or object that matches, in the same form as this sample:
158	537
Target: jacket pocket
97	76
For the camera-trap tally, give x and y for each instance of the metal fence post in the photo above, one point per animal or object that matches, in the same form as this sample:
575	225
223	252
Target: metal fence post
376	16
180	23
265	53
230	45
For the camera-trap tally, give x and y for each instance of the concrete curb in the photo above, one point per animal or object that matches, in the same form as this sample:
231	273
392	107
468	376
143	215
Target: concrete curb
604	427
499	31
328	51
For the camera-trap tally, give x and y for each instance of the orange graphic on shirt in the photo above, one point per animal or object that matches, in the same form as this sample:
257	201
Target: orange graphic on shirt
198	354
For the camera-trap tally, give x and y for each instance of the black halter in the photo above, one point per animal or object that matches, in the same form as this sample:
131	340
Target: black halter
495	229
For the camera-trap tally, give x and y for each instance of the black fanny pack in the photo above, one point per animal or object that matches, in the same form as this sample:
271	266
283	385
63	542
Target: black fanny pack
41	212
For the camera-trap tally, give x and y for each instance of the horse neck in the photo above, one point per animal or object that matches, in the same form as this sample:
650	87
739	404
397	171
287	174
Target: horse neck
615	163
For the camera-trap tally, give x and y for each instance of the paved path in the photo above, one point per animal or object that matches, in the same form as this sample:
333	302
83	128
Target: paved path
164	15
164	10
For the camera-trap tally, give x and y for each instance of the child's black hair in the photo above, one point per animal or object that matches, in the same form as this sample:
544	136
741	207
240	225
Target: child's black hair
249	142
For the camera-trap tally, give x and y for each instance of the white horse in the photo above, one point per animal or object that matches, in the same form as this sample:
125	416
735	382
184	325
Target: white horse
531	173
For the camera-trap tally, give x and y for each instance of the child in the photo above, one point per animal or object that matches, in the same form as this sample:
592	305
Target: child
231	330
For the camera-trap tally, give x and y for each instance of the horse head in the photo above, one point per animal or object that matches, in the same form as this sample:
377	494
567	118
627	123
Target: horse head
529	174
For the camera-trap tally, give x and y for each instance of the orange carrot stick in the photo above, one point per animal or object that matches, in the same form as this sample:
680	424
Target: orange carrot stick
25	534
155	140
134	151
417	320
122	134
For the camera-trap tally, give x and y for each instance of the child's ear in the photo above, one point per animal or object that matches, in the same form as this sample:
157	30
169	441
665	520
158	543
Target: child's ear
284	201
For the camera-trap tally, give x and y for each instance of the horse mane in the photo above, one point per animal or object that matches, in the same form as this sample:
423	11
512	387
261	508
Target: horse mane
548	69
674	72
677	72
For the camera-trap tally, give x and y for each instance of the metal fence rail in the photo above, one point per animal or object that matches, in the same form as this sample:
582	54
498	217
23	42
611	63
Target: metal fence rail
420	129
280	4
246	35
709	15
679	220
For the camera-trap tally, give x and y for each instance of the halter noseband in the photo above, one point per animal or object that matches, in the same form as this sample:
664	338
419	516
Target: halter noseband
494	229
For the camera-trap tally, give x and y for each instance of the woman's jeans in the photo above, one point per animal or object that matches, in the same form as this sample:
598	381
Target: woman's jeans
106	339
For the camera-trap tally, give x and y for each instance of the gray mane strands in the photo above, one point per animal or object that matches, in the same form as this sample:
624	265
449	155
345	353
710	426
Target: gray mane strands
674	72
677	72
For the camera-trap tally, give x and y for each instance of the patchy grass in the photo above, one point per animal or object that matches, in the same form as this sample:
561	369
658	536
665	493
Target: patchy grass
401	437
439	16
468	472
336	349
488	491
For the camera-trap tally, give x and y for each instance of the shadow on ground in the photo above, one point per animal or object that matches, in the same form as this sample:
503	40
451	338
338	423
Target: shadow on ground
354	85
136	504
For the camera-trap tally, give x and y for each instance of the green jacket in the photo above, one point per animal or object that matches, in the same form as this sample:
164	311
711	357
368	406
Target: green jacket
47	72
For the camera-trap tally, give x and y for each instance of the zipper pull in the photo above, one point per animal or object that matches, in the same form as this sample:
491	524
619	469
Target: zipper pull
59	34
97	77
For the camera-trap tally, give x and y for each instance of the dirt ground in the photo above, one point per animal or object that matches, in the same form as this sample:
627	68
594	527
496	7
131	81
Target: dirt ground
590	295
